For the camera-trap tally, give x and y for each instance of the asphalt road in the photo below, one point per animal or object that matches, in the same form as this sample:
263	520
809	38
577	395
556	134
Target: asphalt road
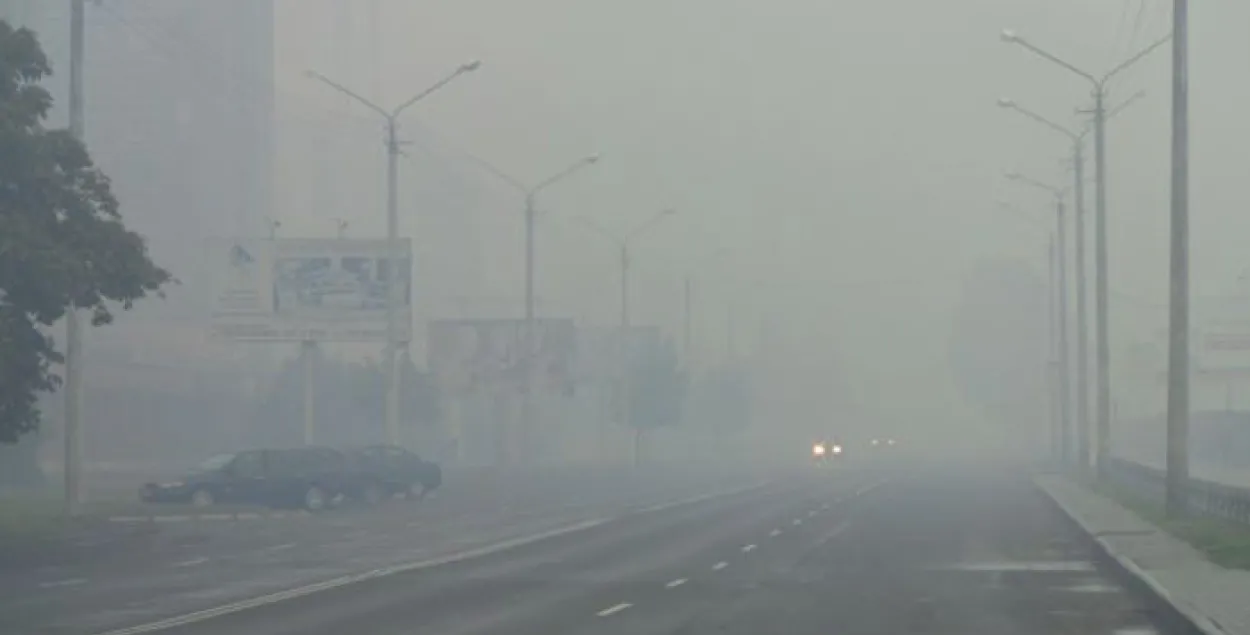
866	551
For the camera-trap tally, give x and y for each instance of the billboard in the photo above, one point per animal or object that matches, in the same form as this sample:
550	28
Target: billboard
471	355
308	289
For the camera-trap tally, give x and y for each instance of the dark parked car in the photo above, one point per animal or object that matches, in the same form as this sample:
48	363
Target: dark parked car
382	471
311	478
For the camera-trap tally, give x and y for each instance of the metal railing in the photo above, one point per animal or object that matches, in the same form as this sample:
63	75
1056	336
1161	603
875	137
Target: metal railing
1206	498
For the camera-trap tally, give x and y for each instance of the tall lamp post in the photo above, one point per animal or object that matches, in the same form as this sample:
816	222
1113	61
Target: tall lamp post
1061	258
1082	312
1099	84
530	194
392	228
623	243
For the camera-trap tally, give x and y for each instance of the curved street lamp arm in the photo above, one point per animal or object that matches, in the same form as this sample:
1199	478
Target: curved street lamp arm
460	70
1134	59
594	226
649	224
563	174
1061	62
347	91
1045	122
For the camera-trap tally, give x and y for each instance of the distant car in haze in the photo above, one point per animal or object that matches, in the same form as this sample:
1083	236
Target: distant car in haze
826	451
312	478
383	471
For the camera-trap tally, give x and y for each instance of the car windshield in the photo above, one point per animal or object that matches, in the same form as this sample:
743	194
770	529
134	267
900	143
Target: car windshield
214	463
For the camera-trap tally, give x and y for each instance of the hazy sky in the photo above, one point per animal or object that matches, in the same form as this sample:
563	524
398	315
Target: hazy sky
838	164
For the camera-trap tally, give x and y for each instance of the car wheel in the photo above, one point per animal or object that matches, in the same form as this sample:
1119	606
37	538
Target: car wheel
416	492
314	499
373	494
202	498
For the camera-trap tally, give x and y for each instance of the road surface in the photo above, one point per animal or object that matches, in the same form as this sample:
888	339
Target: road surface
867	551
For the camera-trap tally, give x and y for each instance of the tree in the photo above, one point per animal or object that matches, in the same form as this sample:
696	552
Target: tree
62	241
657	392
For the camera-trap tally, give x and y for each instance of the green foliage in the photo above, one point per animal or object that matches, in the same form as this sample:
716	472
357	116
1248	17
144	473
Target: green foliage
657	389
62	242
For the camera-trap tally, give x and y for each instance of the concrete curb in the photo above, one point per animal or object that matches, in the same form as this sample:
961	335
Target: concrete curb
1176	612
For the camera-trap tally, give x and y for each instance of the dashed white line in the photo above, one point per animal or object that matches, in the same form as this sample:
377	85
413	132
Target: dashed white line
194	562
720	565
824	507
62	583
614	609
675	583
774	533
748	548
811	514
281	547
798	521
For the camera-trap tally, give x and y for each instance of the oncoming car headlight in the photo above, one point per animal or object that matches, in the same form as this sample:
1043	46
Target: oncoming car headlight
818	449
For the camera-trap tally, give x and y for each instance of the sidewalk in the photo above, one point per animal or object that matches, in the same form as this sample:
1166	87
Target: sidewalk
1214	599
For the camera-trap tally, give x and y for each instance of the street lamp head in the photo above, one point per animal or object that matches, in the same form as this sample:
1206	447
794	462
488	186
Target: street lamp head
592	159
1006	102
470	66
1009	36
1012	175
669	212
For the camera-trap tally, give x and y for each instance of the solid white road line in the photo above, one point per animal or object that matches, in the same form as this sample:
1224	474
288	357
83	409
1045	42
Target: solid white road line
345	580
675	583
614	609
720	565
748	549
774	533
62	583
194	562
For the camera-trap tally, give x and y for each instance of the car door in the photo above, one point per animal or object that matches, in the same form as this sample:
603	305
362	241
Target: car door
245	478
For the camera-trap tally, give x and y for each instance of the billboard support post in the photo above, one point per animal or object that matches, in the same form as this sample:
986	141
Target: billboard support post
308	351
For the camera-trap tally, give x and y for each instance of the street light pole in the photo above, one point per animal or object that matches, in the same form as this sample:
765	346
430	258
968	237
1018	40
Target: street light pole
393	150
73	325
1061	258
530	193
623	243
1099	84
1178	331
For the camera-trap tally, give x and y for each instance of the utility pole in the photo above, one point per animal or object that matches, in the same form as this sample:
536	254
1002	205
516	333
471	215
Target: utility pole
1052	366
527	367
73	326
308	352
1102	330
1178	332
688	342
1082	311
393	151
626	383
1065	419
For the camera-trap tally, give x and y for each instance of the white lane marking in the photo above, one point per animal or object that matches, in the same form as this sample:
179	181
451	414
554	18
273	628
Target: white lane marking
837	530
194	562
282	547
614	609
798	521
811	514
702	497
868	488
62	583
177	518
675	583
341	581
824	507
748	549
720	565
